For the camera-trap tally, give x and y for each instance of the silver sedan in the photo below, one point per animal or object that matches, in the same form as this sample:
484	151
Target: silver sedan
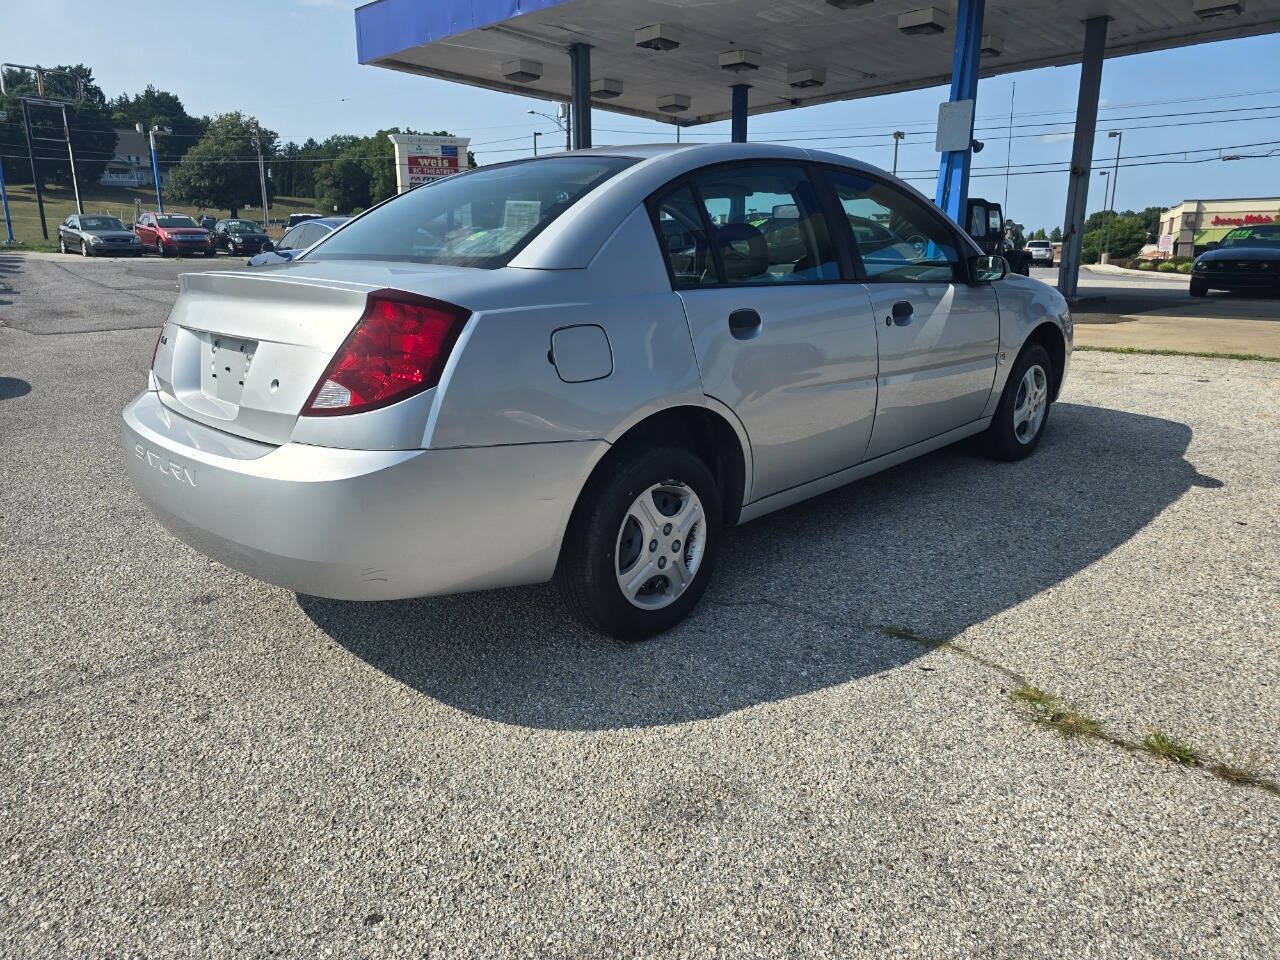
582	367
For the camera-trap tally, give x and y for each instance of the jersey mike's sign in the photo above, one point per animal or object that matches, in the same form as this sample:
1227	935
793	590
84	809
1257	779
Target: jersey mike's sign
421	159
1247	220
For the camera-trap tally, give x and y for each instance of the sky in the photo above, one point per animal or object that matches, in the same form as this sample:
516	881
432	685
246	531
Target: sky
292	64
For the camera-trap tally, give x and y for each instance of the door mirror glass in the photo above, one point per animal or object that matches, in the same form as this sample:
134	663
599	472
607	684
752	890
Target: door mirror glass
986	269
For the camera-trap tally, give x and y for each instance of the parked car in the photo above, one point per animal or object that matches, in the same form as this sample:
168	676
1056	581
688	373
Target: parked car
239	237
1040	252
297	218
298	238
580	367
173	233
93	234
1247	258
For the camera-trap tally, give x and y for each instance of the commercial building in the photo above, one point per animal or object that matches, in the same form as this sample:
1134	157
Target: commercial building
1188	228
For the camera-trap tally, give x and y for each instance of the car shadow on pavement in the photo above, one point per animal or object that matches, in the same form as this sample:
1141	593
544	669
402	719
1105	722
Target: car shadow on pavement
11	387
805	598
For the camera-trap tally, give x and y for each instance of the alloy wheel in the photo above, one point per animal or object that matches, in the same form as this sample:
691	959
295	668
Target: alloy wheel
1030	404
660	545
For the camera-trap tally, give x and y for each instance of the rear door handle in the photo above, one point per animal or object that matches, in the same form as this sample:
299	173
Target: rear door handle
903	313
744	324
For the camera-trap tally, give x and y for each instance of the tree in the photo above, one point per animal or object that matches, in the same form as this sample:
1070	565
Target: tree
1039	234
1055	235
93	137
1128	234
221	171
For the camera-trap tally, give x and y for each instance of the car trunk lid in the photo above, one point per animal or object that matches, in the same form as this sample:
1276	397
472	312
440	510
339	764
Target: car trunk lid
242	352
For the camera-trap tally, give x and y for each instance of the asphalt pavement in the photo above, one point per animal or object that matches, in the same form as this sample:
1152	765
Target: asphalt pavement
825	760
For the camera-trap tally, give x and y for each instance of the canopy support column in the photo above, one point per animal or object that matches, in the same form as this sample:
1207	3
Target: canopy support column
740	112
1095	41
953	170
580	82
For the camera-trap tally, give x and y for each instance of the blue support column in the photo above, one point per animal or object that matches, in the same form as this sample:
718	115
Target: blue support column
953	171
580	80
739	128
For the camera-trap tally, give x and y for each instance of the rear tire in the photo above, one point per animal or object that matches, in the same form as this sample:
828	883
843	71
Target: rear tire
85	250
1198	287
642	543
1023	414
160	250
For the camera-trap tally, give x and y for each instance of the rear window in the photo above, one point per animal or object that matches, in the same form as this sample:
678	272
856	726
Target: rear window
478	219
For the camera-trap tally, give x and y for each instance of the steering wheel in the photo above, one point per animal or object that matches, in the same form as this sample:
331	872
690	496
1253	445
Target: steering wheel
918	243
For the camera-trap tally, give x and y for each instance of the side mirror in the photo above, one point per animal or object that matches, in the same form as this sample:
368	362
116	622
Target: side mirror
987	269
1211	245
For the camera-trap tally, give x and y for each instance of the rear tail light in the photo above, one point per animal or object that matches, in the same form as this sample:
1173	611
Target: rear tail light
398	348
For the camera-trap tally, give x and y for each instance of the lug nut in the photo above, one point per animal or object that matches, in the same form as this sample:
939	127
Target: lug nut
675	546
653	545
666	530
662	563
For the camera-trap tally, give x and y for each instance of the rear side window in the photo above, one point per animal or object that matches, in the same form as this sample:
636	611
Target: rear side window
477	219
683	238
769	226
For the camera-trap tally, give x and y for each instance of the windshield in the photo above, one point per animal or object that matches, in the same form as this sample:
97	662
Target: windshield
174	220
477	219
100	223
240	226
1268	237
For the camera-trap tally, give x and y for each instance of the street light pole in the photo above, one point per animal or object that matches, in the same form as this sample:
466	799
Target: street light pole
561	122
155	164
536	135
1115	178
898	136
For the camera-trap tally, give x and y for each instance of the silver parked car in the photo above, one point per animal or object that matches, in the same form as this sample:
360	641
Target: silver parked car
92	234
582	367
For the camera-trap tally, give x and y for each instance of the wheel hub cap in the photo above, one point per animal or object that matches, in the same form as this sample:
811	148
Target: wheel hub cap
1030	404
660	545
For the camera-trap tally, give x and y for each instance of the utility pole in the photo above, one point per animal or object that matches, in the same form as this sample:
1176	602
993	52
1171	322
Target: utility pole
898	137
75	181
536	135
564	122
1008	148
1115	178
35	176
262	175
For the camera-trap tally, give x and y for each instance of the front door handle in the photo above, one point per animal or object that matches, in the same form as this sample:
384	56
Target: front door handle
744	324
903	313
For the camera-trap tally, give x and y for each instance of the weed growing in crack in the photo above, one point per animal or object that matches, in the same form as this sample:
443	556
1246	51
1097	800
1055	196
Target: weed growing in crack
1170	748
1048	710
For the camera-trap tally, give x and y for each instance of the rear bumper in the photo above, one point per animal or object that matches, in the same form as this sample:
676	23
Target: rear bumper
357	524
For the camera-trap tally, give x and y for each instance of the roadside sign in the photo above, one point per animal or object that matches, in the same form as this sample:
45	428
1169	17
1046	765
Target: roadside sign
1166	243
421	159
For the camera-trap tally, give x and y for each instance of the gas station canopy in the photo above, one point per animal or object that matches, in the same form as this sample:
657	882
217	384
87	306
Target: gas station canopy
791	52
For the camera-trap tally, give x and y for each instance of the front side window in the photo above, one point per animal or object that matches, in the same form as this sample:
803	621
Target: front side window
290	239
899	238
768	224
478	219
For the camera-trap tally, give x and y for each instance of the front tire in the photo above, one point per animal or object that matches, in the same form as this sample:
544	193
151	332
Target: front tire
642	543
160	250
1023	413
62	244
84	249
1198	287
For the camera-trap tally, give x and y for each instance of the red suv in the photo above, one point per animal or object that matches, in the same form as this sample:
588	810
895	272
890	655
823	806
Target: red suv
176	233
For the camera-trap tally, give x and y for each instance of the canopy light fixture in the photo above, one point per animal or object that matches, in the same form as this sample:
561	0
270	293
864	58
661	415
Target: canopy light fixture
659	36
923	20
846	4
992	45
522	71
1208	9
605	88
673	103
739	61
808	77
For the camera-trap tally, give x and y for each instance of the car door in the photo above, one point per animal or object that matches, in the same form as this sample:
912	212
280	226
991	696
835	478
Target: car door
939	335
145	229
782	335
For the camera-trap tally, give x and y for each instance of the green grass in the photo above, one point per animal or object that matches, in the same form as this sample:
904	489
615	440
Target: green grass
1179	353
1048	710
1166	747
60	203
